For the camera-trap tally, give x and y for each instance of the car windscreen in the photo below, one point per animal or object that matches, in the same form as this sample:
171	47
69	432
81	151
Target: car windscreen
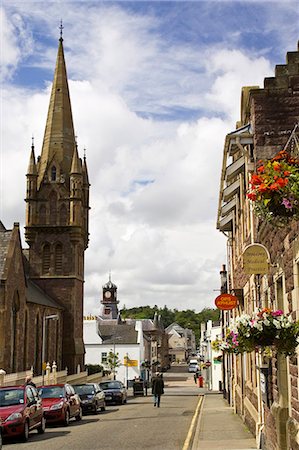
10	397
84	389
110	385
51	392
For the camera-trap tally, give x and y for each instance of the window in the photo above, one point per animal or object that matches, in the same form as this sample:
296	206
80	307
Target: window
279	293
107	311
104	357
53	173
37	348
46	258
53	208
58	259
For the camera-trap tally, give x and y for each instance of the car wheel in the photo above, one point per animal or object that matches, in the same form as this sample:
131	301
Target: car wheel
66	419
41	429
25	434
79	415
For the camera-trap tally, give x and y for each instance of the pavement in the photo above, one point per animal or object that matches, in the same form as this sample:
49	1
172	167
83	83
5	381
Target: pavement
217	427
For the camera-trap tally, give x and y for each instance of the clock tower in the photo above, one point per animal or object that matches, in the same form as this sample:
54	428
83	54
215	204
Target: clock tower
109	302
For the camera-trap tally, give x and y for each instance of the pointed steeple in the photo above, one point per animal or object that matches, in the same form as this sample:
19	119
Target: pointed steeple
76	164
59	137
32	165
85	171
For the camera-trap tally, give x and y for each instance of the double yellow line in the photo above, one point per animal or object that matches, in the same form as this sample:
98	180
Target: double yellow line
193	423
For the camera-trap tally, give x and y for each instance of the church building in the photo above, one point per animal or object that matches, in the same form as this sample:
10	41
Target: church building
45	281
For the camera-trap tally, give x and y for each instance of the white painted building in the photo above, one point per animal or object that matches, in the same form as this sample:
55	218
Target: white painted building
212	374
126	341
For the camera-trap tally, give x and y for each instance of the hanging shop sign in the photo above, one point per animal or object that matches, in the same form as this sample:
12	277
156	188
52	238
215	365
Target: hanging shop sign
256	259
226	301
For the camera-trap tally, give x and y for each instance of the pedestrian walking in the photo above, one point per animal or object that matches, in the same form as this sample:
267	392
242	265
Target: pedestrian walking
157	388
145	385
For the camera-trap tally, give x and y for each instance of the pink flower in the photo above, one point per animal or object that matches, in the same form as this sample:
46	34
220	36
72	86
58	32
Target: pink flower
277	313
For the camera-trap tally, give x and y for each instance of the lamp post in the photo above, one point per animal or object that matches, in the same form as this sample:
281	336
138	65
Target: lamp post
45	318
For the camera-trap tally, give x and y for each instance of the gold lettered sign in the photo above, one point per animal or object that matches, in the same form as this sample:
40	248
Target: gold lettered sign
130	362
256	259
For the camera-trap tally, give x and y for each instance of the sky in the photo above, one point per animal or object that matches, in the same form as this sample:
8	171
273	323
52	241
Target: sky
155	87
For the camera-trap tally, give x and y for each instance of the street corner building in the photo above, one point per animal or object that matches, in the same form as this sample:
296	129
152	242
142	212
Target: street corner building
46	280
258	209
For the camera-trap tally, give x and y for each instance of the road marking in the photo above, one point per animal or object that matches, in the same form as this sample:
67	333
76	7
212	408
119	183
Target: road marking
190	432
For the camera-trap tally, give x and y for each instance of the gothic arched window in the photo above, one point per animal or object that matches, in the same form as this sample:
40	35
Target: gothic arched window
37	347
25	362
14	315
58	258
46	261
53	208
53	173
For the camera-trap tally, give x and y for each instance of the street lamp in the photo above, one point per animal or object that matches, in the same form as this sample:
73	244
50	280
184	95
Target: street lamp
115	338
45	318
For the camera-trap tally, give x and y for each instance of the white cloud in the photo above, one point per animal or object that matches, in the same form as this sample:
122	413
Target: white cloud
154	182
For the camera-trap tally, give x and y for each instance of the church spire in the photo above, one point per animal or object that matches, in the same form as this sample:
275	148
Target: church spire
32	165
59	137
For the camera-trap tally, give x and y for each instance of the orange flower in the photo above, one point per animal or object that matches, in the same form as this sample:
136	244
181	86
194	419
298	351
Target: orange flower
276	166
261	169
282	181
252	196
255	179
286	173
262	187
274	187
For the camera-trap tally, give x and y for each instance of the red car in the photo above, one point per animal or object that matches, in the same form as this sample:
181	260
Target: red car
60	403
21	411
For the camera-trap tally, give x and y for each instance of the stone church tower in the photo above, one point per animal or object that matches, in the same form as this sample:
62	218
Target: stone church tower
57	216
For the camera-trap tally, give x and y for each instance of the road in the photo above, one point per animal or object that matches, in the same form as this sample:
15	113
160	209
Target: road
136	425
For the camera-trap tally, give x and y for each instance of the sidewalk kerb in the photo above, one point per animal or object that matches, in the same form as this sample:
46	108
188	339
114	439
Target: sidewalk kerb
186	445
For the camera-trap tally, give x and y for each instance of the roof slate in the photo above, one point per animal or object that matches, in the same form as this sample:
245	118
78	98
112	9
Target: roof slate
117	333
5	237
34	294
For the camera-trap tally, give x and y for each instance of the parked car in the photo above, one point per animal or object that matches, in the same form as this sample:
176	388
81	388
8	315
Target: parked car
92	397
21	411
115	392
60	403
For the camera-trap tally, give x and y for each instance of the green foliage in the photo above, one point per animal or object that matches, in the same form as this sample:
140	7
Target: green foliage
113	361
186	319
93	368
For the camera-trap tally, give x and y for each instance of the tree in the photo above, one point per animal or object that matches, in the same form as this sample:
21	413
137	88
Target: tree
113	362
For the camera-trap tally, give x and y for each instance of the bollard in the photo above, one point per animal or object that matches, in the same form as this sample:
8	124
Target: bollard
200	381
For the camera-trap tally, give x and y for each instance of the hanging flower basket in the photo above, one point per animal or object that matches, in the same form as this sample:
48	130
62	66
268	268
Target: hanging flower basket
275	189
267	328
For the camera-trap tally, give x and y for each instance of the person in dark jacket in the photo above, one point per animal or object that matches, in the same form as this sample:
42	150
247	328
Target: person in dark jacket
157	388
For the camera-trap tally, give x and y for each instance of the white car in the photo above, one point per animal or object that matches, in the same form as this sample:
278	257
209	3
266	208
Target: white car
193	367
